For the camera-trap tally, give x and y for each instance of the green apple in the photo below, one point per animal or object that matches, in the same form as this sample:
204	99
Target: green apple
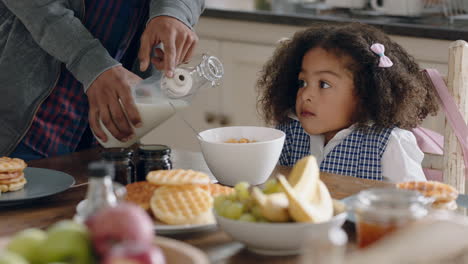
7	257
67	241
26	243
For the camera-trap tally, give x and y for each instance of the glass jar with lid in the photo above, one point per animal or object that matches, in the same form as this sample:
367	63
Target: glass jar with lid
380	211
122	161
152	157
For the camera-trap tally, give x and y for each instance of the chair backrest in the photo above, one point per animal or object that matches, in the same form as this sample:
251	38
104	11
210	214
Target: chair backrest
453	99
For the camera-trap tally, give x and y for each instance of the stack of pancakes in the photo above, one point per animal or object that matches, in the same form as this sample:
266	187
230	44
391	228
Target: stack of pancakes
11	174
177	197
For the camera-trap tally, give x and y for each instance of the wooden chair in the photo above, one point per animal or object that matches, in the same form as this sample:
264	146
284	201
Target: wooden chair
452	162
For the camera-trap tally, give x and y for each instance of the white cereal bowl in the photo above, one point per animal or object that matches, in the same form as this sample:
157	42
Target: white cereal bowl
231	163
277	239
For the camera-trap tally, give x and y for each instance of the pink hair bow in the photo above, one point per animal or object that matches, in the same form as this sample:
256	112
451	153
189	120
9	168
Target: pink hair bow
384	61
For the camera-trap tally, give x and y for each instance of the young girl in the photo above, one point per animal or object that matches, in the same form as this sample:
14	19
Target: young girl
346	94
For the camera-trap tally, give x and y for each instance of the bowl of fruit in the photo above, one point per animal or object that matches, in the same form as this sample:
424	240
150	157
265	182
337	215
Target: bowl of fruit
273	220
241	153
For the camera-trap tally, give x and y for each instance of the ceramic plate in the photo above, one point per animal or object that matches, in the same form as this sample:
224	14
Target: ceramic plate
40	183
180	252
163	229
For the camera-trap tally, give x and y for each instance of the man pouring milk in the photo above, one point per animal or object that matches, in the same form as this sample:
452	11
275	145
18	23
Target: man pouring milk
64	67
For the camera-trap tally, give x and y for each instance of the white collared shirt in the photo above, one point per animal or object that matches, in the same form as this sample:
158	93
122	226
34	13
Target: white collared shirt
401	160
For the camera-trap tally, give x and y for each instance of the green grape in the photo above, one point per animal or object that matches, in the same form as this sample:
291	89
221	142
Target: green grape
269	186
247	218
223	208
243	194
241	186
218	203
234	211
242	191
272	186
232	197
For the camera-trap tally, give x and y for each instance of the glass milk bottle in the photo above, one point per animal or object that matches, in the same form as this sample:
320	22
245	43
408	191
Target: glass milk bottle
157	99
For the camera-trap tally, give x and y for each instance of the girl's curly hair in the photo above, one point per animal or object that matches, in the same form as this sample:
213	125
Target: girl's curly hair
399	96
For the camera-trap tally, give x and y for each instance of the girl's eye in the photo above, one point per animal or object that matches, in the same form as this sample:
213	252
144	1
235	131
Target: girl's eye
324	85
301	83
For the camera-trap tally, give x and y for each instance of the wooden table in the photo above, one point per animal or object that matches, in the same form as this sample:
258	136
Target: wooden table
217	245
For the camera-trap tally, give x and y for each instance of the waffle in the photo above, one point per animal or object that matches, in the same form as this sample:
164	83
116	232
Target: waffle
13	186
8	165
140	193
217	189
443	193
12	180
182	205
177	177
10	175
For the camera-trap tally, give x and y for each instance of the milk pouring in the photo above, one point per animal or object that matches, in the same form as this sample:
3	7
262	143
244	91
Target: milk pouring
154	96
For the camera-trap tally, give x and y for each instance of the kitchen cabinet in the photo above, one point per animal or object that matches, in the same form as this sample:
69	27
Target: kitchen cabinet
243	48
243	61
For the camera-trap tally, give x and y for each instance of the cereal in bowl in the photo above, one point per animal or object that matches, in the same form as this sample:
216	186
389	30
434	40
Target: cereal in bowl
242	140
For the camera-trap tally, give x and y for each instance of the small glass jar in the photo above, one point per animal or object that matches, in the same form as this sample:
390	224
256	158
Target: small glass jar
122	160
381	211
152	157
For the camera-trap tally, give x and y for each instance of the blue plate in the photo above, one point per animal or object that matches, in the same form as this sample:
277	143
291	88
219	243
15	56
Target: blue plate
40	183
462	201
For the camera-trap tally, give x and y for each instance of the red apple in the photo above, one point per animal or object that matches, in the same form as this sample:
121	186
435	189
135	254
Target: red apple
124	222
134	253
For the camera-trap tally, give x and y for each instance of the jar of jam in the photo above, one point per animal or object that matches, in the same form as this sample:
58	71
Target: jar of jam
381	211
152	157
122	161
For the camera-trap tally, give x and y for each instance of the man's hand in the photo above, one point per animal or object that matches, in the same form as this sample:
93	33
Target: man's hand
178	41
104	94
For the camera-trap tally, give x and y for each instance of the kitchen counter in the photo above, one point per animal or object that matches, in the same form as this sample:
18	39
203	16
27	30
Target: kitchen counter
434	27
